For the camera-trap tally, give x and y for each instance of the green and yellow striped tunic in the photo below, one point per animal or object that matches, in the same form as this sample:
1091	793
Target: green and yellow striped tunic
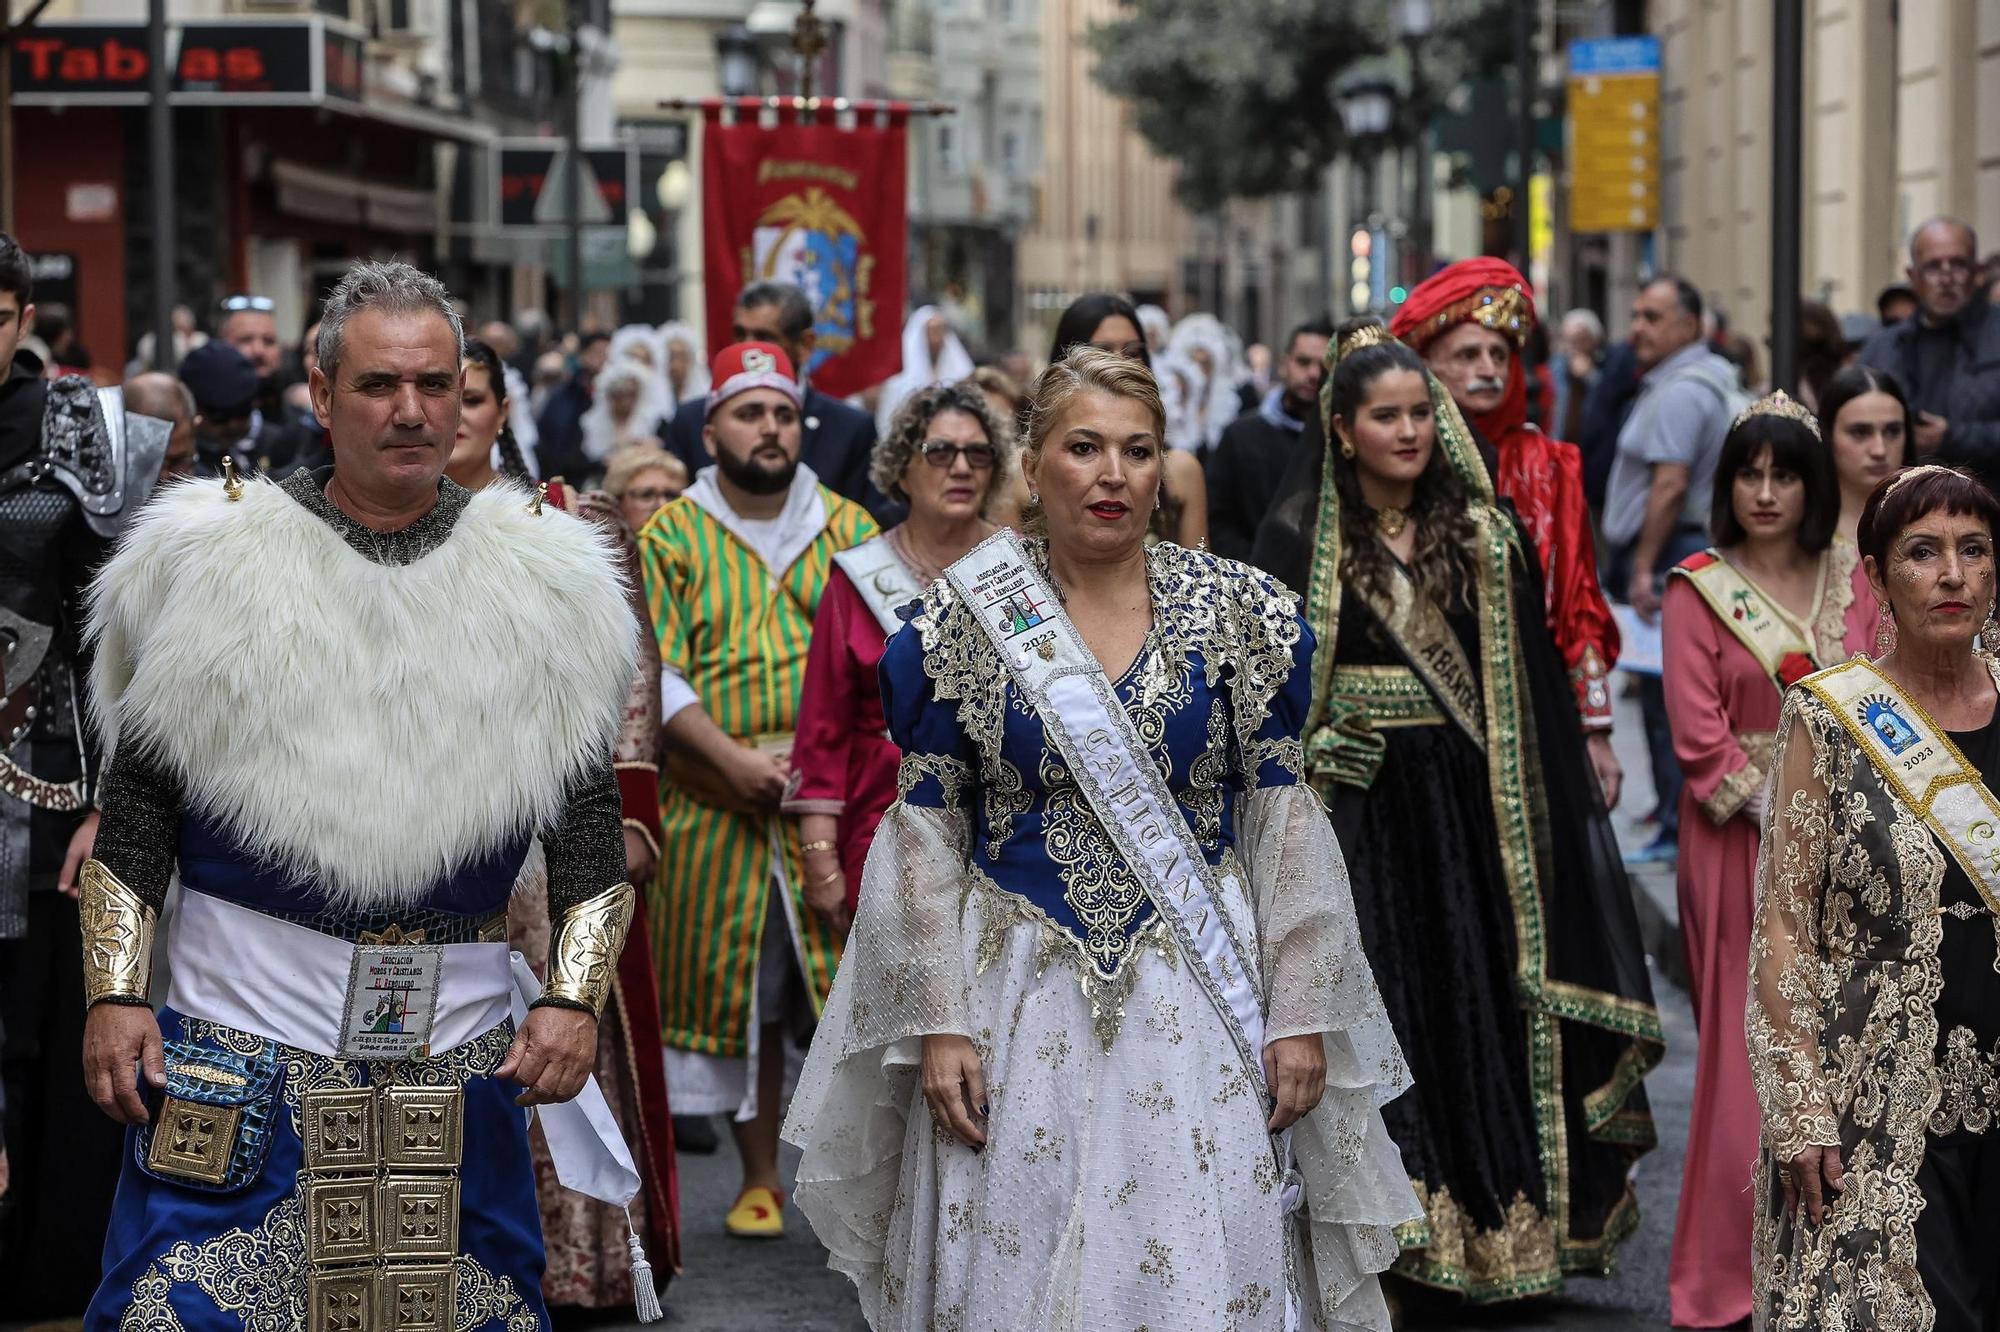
738	635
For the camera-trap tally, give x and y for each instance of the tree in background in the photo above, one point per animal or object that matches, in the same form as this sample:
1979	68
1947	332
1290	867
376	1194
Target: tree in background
1248	109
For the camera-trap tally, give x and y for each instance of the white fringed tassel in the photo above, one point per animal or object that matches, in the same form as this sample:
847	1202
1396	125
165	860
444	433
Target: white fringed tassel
645	1299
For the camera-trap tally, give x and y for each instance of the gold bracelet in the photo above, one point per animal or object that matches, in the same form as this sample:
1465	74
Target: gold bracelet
823	844
829	878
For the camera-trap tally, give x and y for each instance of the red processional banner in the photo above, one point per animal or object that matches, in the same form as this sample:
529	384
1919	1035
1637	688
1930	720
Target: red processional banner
823	206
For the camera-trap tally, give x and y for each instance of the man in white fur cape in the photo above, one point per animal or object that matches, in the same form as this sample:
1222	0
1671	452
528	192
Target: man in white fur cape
342	708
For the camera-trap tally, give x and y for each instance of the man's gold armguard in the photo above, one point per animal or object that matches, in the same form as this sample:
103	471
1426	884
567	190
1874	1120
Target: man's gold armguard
117	937
583	956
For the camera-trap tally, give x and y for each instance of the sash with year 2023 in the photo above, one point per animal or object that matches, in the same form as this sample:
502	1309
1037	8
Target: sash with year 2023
1758	623
1920	765
1062	681
883	580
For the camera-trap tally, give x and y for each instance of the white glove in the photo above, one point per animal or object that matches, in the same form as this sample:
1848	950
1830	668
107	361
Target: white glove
1753	808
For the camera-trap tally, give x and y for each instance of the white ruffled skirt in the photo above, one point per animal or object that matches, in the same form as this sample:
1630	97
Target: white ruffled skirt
1122	1187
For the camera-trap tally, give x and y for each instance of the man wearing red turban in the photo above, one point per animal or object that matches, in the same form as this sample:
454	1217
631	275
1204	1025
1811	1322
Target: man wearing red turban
1469	323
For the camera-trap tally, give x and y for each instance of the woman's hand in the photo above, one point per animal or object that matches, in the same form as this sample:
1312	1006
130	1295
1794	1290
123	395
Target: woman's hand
955	1087
1295	1071
1603	762
826	889
1813	1177
640	862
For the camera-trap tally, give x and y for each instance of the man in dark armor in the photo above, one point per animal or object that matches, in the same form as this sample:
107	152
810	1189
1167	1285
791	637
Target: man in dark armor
73	468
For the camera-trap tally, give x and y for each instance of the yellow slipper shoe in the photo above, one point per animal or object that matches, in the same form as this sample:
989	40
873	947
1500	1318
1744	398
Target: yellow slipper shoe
759	1214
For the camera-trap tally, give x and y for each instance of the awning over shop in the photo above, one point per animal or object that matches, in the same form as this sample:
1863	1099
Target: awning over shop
328	196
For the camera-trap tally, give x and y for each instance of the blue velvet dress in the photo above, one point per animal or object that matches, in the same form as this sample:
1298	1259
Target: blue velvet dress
1034	835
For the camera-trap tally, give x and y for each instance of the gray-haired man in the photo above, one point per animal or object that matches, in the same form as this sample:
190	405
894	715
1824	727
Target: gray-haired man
327	1096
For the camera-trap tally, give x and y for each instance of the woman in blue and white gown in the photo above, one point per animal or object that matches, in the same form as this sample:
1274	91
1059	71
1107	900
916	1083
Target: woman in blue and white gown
1126	1176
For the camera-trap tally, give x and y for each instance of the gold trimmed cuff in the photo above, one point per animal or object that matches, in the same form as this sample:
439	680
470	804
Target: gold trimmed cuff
117	928
1592	683
1732	794
583	955
646	835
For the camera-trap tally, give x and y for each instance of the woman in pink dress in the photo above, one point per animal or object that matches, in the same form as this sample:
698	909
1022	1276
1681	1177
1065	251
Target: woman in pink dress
941	455
1865	417
1762	608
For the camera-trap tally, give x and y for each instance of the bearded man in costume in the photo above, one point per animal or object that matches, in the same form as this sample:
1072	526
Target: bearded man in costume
1470	322
734	569
347	757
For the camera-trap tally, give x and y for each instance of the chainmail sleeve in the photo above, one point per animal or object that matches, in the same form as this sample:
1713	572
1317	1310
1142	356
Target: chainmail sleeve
1788	975
123	886
140	800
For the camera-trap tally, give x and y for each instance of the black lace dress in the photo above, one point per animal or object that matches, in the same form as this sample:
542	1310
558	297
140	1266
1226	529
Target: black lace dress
1960	1174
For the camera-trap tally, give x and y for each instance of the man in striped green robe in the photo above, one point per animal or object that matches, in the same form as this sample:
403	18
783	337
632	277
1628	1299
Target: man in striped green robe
733	572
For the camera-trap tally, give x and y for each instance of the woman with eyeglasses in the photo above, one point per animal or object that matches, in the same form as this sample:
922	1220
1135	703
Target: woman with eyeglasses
943	451
641	479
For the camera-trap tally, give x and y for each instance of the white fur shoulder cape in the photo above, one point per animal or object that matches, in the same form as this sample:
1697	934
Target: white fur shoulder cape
370	727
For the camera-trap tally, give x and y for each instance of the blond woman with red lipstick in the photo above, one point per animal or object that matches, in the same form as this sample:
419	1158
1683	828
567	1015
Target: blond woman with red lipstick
1103	1051
1763	608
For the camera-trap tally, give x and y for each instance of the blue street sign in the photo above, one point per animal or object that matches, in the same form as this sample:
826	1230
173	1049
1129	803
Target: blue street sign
1615	55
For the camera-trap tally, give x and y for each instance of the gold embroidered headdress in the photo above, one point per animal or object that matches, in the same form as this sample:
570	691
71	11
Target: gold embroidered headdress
1368	335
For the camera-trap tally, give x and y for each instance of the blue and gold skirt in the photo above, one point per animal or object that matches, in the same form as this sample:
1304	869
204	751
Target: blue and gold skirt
275	1189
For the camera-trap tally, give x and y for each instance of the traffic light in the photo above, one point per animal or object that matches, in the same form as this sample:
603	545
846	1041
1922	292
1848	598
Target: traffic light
1361	270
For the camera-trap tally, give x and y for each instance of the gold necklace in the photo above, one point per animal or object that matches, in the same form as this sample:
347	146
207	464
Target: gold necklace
1391	522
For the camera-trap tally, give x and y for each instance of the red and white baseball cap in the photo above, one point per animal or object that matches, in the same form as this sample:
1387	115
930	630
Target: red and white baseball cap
743	366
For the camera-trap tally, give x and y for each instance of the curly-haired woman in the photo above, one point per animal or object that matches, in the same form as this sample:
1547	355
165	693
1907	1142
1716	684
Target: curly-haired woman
1445	737
942	455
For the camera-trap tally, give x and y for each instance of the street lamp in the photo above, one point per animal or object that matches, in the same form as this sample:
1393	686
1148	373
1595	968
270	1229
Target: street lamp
1412	22
1368	114
1368	109
736	61
1411	19
675	187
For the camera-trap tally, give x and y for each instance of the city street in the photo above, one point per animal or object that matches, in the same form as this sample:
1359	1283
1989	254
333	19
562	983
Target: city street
732	1285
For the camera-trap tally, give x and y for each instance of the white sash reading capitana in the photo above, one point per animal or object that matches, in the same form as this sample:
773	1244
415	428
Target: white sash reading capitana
1062	681
1920	765
882	579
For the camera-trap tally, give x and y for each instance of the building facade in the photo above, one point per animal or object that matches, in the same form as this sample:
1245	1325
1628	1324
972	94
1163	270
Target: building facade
972	172
1902	122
